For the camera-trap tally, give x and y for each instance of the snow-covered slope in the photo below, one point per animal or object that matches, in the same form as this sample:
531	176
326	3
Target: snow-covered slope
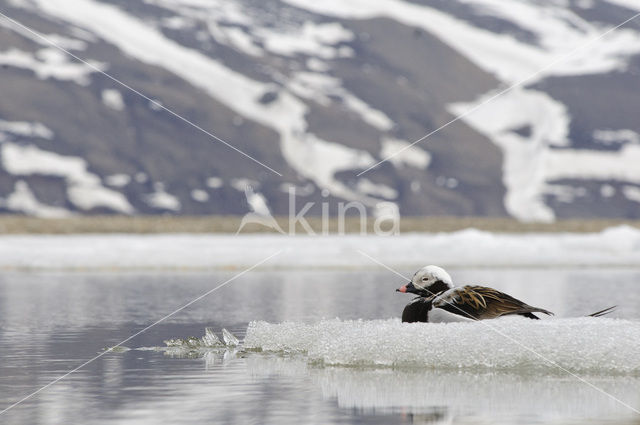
315	93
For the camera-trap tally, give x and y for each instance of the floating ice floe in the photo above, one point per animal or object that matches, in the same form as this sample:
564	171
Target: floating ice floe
230	339
209	341
594	345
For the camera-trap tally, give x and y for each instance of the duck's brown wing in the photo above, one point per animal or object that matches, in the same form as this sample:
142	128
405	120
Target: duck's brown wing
481	302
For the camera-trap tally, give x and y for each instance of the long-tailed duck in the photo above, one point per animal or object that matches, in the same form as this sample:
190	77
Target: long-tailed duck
439	301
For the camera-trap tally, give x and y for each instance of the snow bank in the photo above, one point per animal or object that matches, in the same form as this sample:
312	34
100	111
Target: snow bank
619	246
577	345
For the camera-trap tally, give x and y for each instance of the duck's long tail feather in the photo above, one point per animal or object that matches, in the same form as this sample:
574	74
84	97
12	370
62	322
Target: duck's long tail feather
603	312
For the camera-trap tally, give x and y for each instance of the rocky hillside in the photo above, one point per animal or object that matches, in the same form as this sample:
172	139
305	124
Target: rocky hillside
226	106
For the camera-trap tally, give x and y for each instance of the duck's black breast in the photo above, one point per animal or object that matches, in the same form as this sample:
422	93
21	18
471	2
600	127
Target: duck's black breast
417	310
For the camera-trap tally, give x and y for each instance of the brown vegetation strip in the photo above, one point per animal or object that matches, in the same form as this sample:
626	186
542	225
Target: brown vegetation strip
229	224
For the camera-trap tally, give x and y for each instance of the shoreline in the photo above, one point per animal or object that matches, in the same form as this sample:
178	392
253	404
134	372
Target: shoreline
162	224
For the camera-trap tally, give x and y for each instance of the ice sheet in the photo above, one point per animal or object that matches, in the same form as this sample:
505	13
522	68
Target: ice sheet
594	345
619	246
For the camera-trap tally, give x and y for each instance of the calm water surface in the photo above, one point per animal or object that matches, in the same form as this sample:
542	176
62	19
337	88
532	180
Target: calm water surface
52	323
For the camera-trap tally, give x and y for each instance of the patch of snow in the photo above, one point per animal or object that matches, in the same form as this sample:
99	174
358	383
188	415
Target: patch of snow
161	199
312	39
373	117
217	10
50	63
585	164
346	52
23	200
401	153
155	105
234	37
28	160
325	159
62	41
19	3
257	202
632	193
199	195
90	196
215	182
141	177
610	137
83	34
84	189
319	87
118	180
66	43
629	4
607	191
558	30
112	98
415	186
376	189
230	24
317	65
25	129
242	184
177	23
525	160
242	41
564	193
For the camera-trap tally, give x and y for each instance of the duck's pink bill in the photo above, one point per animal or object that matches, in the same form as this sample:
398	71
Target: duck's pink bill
403	288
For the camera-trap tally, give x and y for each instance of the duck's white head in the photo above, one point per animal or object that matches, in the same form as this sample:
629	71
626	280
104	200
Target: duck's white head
428	281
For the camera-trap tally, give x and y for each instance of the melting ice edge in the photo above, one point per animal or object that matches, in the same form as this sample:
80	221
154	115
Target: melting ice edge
594	345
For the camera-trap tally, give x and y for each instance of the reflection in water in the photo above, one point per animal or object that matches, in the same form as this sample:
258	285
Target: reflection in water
423	396
482	395
52	323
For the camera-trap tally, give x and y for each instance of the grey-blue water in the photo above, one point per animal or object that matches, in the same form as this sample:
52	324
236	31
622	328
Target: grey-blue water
51	323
